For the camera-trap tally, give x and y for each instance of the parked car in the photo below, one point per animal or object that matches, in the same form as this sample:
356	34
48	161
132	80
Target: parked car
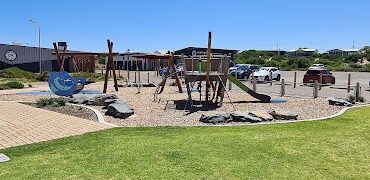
318	65
313	74
264	74
237	66
244	71
179	70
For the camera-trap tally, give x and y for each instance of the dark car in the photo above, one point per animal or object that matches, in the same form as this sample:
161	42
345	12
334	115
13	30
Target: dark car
313	74
243	72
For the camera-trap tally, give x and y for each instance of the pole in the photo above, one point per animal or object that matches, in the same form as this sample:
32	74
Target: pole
315	89
270	78
349	83
295	80
39	28
357	92
148	79
282	87
320	80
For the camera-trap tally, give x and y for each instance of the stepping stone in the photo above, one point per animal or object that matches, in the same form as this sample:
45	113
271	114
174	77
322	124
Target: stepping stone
4	158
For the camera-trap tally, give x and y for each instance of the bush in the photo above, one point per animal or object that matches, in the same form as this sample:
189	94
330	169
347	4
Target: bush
17	73
361	99
44	76
352	98
54	102
11	85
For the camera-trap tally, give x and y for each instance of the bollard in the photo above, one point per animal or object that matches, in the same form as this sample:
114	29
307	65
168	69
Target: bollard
349	83
148	78
282	87
295	80
270	78
316	90
135	77
358	91
254	84
139	77
102	70
119	71
230	85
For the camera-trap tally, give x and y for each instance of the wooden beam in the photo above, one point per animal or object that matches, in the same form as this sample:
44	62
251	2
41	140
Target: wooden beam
208	66
178	83
110	58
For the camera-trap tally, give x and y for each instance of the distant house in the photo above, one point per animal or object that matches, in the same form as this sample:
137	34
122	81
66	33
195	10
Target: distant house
343	52
277	52
302	52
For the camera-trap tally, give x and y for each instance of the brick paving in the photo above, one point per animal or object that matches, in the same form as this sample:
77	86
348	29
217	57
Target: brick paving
22	124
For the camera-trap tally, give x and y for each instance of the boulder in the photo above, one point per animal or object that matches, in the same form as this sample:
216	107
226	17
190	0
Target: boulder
245	117
339	102
119	109
215	117
280	115
91	99
264	115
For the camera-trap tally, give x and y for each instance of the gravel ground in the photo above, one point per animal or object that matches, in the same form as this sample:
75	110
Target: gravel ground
72	111
165	113
150	113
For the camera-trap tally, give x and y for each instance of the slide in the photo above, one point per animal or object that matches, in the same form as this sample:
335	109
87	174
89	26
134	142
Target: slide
263	98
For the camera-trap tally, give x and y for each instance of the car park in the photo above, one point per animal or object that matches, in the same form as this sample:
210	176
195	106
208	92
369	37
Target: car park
244	71
264	74
314	73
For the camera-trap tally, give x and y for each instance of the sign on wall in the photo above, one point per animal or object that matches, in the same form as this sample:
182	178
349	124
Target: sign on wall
10	55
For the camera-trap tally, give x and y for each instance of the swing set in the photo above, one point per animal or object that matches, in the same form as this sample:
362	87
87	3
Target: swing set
61	56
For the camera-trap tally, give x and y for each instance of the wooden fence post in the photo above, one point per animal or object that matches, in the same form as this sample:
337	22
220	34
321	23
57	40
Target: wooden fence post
320	80
349	83
358	91
230	85
254	84
316	89
148	79
295	80
282	87
135	77
270	78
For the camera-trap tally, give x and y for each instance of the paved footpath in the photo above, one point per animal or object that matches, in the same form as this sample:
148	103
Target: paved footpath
22	124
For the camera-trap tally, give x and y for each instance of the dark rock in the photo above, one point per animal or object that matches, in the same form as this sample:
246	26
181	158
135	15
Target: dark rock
91	99
119	109
264	115
245	117
136	85
216	117
283	115
339	102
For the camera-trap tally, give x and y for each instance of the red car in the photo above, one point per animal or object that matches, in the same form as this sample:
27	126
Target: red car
313	74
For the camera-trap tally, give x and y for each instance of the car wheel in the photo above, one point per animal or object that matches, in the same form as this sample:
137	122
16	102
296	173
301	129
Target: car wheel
267	78
278	78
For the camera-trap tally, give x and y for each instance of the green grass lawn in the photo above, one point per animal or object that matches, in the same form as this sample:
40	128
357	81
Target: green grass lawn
331	149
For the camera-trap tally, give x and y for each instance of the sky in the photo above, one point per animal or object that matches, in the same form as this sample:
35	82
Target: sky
150	25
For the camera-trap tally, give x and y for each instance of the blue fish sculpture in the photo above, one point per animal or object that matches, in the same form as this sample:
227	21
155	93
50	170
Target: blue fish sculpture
63	84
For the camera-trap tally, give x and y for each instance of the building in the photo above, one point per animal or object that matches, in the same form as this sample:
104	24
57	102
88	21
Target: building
27	58
302	52
343	52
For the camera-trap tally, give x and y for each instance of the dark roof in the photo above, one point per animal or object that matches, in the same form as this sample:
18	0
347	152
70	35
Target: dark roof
205	49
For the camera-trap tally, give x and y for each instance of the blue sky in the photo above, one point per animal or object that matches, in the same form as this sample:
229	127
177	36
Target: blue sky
146	25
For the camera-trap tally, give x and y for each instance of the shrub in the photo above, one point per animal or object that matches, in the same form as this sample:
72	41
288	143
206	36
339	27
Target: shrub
29	85
42	76
11	85
361	99
54	102
352	98
15	72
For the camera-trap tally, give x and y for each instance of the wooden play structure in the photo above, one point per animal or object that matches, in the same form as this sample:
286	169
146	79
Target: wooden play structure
61	56
211	70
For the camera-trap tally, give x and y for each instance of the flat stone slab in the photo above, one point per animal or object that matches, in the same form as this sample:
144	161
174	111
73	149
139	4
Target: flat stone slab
118	109
283	115
339	102
245	117
4	158
91	99
215	117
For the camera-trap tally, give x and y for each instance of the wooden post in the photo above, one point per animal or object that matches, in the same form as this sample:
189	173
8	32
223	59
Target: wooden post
270	78
254	82
282	87
135	77
110	57
320	80
172	63
315	90
349	83
230	85
119	71
295	80
208	65
148	79
357	92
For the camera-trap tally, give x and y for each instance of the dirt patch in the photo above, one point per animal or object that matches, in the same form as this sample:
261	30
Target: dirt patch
80	112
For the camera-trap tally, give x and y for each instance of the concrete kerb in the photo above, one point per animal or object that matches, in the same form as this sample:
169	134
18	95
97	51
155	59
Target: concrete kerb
98	114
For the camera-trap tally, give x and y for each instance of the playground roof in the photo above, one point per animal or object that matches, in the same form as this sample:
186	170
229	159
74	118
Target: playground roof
83	54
